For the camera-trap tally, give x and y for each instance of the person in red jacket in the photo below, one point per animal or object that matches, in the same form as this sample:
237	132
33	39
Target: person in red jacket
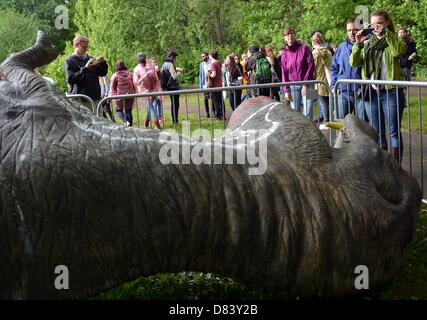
121	84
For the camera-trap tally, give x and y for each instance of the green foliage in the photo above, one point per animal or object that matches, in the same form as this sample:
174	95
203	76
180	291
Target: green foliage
24	32
55	70
118	29
44	12
188	286
330	16
411	281
263	21
318	16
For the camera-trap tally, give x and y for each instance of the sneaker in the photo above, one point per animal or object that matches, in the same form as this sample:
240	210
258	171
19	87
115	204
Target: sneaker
147	123
157	126
160	119
127	124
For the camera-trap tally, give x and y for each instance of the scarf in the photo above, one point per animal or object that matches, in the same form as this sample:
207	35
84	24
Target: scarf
373	55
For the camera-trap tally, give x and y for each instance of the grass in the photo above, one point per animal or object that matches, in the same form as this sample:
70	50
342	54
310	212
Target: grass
409	283
411	116
192	110
192	104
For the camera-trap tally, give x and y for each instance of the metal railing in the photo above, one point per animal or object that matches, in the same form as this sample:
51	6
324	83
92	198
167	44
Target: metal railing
385	104
194	107
84	97
356	101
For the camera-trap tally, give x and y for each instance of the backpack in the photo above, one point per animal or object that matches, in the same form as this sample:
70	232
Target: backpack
149	81
165	79
167	82
148	78
262	70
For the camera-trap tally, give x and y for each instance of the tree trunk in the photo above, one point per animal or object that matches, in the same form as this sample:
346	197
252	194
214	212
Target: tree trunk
218	26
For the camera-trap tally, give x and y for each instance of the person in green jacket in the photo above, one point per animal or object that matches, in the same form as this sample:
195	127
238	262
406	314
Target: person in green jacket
379	56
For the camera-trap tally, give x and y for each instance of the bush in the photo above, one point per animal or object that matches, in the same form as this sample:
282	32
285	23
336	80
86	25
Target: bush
55	69
17	32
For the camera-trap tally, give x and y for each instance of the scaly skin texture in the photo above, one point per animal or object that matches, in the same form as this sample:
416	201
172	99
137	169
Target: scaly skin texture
79	191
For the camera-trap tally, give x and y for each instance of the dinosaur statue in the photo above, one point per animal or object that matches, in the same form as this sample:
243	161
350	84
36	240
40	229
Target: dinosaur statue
82	192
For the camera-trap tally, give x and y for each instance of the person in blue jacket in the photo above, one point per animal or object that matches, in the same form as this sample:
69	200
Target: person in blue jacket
349	95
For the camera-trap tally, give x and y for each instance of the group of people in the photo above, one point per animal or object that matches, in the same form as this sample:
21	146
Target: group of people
258	66
88	76
376	53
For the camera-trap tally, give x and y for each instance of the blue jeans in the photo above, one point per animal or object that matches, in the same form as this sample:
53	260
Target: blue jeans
386	106
348	103
323	102
297	98
158	104
126	117
152	110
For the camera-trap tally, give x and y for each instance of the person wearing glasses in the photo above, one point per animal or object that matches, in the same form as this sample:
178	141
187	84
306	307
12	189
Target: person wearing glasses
83	71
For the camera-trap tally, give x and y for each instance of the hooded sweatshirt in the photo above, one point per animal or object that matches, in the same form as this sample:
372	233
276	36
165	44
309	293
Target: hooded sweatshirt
297	63
140	72
121	84
322	58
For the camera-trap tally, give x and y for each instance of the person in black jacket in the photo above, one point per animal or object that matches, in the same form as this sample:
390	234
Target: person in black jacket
408	58
170	76
83	71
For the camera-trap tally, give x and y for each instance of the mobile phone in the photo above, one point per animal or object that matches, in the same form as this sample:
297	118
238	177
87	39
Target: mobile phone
367	31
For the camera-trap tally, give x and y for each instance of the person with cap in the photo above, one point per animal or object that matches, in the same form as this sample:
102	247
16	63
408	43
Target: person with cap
170	76
83	71
255	54
145	80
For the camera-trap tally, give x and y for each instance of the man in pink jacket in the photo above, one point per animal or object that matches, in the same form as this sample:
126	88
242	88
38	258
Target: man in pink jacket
297	65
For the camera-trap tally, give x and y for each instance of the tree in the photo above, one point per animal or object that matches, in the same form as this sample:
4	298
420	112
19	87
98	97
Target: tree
45	12
119	29
24	31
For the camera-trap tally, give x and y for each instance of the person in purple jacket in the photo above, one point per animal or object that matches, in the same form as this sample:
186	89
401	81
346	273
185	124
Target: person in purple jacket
297	65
